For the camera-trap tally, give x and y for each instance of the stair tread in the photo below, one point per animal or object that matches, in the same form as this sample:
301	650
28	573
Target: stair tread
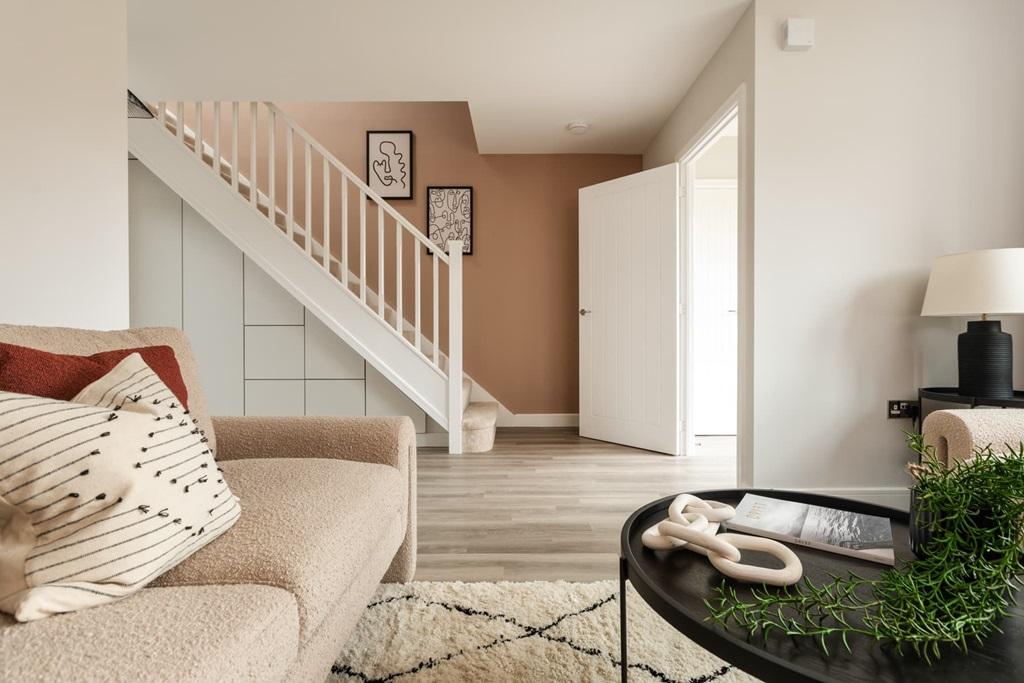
480	415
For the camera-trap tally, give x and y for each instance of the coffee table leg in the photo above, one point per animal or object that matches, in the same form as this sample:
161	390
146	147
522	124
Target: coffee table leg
622	617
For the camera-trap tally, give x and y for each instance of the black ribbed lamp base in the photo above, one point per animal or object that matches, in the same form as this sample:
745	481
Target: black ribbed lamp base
985	356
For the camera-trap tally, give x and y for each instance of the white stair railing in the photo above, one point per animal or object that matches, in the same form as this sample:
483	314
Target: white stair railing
265	124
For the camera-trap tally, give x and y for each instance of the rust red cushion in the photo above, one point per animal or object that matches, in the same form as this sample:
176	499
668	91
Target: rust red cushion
62	376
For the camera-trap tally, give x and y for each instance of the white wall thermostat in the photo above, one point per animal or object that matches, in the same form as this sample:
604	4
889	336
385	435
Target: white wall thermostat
799	34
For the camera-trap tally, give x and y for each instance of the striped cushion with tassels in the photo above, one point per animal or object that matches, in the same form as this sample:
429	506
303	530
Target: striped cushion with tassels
101	494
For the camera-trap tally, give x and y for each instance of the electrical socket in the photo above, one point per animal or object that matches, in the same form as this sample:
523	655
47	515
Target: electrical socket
902	409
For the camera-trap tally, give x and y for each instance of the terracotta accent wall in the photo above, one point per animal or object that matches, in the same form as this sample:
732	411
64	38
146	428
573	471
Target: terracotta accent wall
520	283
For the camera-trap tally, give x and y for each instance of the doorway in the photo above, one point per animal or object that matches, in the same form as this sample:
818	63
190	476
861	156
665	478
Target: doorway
710	291
639	357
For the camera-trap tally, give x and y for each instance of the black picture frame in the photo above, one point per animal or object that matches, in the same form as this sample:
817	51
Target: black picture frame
468	249
374	180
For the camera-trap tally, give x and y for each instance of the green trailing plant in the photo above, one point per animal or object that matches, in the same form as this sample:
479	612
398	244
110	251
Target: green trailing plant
954	594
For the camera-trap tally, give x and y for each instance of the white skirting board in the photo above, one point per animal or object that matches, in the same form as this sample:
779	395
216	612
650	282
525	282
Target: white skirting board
440	439
506	418
432	440
890	496
538	419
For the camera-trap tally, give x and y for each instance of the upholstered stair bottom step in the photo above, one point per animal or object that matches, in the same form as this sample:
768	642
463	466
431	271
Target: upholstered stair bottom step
479	422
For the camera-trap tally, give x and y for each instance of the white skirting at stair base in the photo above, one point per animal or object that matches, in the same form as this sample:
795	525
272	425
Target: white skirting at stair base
432	440
507	419
528	420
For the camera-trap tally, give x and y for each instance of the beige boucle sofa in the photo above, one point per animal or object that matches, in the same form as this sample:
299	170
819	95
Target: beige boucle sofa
328	512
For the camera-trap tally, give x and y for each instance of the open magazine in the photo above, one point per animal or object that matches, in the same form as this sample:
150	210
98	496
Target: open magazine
847	533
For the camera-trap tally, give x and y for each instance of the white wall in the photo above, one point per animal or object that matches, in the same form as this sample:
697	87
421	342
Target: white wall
731	66
729	71
63	176
897	138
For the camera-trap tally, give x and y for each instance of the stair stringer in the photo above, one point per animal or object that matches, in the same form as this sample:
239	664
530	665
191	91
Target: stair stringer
285	261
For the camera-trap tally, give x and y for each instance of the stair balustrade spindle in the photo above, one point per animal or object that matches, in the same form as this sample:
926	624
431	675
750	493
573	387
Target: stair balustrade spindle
253	123
399	319
216	138
327	216
362	246
344	232
308	218
380	260
234	146
198	143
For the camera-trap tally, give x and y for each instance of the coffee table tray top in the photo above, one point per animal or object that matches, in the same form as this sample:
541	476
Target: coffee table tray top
675	584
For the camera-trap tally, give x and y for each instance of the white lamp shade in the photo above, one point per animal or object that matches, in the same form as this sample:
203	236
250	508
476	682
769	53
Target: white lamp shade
989	281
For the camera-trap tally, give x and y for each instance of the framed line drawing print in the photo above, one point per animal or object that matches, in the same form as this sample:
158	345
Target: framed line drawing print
450	216
389	163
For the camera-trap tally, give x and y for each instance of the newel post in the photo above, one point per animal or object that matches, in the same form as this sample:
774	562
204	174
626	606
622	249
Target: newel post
455	347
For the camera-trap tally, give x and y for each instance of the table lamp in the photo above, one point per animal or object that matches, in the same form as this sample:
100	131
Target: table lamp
986	282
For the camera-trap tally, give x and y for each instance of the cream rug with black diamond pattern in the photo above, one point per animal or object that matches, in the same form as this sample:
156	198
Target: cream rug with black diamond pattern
532	631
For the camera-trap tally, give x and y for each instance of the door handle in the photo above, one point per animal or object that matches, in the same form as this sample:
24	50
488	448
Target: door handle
584	311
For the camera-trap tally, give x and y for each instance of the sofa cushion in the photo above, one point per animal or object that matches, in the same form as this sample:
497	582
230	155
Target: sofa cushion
196	633
311	526
101	494
24	370
86	342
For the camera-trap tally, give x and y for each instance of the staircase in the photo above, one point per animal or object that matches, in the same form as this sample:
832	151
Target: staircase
333	243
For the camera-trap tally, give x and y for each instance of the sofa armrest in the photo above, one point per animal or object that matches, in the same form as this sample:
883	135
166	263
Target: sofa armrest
380	440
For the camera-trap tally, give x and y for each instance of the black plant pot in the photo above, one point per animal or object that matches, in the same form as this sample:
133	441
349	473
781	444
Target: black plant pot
920	525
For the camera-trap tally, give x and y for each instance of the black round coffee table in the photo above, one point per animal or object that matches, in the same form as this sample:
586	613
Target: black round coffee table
676	583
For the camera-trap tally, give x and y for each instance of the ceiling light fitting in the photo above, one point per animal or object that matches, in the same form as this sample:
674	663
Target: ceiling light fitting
577	127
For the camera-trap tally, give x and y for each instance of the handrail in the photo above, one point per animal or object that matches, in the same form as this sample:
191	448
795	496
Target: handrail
353	178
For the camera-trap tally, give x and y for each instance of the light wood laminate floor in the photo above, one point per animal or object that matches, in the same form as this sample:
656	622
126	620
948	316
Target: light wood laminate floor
546	504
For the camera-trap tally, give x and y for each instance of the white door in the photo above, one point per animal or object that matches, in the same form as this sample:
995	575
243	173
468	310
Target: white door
714	279
630	323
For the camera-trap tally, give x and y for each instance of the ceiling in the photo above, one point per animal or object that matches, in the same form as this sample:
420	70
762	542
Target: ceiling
526	67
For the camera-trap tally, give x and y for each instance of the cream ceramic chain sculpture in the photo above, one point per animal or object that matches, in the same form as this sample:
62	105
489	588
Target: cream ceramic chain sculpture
693	524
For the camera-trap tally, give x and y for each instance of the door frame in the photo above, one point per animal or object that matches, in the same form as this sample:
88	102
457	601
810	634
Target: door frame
735	106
